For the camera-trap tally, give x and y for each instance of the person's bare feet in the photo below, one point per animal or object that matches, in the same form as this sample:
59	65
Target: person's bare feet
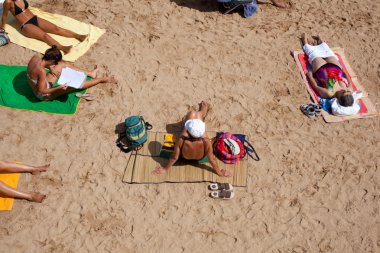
279	3
304	39
93	73
37	197
81	38
159	170
110	79
318	39
38	170
66	49
203	108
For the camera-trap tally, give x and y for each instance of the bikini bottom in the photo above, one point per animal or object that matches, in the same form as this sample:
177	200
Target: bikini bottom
32	21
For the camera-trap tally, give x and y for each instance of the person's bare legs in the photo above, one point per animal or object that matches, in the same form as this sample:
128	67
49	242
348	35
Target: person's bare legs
91	73
7	167
303	39
56	70
317	62
200	114
333	60
35	32
279	3
95	81
8	192
54	29
87	84
318	39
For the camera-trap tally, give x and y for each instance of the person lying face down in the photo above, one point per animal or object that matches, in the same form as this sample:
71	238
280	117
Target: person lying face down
36	27
193	144
42	83
328	72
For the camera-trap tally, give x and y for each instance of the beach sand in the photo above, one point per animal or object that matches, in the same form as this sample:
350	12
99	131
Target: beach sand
316	188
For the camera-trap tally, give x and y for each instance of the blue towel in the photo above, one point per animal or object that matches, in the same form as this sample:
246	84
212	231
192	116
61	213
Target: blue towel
250	9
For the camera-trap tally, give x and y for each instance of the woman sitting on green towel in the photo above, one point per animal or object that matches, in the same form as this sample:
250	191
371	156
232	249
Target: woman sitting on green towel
194	144
35	27
42	83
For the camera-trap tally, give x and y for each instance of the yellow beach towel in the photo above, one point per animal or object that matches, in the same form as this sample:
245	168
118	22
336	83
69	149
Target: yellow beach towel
79	48
11	180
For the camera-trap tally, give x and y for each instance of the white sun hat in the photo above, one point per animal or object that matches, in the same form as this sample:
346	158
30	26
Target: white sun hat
195	127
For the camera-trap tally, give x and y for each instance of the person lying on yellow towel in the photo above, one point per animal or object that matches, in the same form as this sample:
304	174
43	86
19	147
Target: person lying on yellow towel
36	27
9	192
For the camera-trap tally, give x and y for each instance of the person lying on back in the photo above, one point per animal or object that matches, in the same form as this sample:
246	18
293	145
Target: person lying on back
36	27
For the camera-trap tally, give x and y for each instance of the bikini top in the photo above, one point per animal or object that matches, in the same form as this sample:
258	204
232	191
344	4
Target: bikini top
194	139
36	81
18	10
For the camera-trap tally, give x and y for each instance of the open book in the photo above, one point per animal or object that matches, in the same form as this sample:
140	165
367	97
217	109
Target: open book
72	78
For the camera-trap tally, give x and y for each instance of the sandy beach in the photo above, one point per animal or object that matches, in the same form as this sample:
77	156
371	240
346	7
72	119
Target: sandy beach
316	188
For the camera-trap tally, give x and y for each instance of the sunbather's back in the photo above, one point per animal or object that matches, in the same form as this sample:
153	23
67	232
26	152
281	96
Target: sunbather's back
194	149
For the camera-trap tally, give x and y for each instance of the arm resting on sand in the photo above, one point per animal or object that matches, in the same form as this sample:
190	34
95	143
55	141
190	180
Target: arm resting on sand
215	166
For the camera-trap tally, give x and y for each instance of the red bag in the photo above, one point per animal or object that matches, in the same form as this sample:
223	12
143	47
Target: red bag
226	150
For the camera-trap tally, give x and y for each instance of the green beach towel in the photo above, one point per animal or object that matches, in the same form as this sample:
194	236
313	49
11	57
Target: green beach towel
15	92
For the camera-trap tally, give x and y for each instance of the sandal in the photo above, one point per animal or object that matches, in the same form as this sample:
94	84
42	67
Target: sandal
311	110
222	195
86	96
220	186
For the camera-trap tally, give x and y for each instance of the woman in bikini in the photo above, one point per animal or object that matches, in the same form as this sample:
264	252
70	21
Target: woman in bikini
328	72
42	83
194	144
8	192
35	27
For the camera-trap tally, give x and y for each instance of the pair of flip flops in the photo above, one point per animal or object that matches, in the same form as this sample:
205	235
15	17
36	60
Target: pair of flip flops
86	96
311	110
221	191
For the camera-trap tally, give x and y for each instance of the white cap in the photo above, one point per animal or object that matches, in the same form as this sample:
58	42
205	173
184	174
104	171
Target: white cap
195	127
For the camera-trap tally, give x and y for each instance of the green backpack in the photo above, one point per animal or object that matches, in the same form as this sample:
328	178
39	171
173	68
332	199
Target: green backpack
136	133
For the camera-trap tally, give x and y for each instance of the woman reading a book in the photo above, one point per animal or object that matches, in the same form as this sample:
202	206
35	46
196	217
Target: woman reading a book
36	27
42	83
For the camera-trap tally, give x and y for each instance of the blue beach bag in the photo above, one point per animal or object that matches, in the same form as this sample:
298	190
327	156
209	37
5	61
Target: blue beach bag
135	135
